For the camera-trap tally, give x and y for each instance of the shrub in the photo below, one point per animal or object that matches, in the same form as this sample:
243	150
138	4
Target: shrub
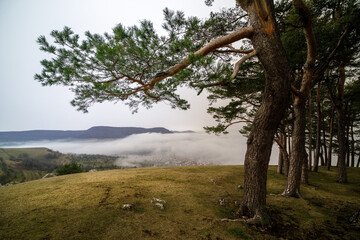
69	169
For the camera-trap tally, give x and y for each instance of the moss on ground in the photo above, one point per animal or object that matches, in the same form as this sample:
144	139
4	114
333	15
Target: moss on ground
90	206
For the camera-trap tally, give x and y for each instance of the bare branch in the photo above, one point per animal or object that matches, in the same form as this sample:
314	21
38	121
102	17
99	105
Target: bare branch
241	61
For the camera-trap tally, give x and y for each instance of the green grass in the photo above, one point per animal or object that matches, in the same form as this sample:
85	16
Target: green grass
89	206
26	164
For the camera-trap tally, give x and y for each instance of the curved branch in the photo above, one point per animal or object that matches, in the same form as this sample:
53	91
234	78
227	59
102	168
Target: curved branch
231	49
241	61
309	65
210	47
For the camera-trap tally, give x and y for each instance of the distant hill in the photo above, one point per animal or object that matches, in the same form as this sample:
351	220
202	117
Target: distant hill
99	132
26	164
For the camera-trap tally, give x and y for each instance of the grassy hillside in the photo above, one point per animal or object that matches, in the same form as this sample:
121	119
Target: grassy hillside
25	164
90	206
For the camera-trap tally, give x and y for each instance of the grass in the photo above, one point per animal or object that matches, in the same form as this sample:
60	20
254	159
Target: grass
89	206
26	164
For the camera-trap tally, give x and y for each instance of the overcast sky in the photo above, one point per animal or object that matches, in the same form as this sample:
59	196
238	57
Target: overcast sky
26	105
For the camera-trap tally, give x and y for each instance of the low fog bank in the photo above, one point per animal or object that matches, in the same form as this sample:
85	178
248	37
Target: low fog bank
154	149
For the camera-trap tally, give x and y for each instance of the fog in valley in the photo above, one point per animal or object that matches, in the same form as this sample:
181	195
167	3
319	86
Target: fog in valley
154	149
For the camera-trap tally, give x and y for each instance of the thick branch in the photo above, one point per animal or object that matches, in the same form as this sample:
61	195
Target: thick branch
241	61
311	45
212	46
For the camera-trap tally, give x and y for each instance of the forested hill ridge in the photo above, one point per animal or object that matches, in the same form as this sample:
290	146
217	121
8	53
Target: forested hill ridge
98	132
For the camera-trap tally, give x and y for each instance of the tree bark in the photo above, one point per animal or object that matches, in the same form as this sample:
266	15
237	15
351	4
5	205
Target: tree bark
299	155
283	162
322	156
331	130
280	162
352	142
325	154
318	131
305	171
341	125
347	135
310	133
285	156
300	96
271	54
287	161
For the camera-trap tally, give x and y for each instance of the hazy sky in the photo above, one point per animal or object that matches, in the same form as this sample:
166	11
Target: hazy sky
25	105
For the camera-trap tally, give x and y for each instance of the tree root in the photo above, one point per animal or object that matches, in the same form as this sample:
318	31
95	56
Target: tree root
231	220
295	194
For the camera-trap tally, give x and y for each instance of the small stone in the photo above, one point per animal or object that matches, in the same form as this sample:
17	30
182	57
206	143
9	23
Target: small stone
240	187
160	206
127	206
49	175
157	200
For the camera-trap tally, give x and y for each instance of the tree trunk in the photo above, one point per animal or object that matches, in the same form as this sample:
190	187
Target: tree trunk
271	54
310	133
318	131
342	146
352	143
287	160
283	163
305	171
358	163
341	125
347	136
322	156
285	155
332	117
300	96
298	154
325	152
280	162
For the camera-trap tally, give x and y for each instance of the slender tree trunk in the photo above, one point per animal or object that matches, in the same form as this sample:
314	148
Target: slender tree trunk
280	162
341	125
318	130
322	156
324	144
310	133
271	54
352	143
300	96
287	160
305	171
358	163
298	155
342	147
332	117
285	156
347	136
